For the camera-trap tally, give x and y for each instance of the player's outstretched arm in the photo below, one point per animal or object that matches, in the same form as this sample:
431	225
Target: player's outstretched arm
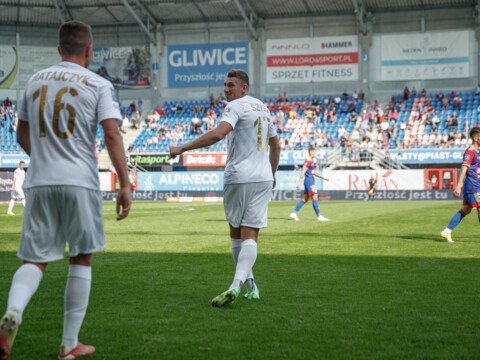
321	177
458	190
205	140
23	135
114	143
274	156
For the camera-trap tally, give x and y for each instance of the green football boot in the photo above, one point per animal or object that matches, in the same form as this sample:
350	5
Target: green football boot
253	294
226	297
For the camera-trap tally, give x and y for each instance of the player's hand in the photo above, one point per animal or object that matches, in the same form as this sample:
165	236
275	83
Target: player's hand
326	179
124	202
457	192
298	187
174	151
12	188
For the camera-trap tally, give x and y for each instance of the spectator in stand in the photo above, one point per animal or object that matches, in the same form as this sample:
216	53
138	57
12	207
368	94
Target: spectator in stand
361	95
315	101
477	90
355	95
344	95
406	93
337	100
353	117
139	104
414	92
132	107
125	124
423	93
196	124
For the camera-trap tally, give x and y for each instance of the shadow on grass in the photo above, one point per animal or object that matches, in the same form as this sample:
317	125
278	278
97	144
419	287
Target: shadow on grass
157	305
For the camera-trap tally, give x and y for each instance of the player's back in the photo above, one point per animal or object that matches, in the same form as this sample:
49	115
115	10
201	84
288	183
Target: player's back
248	159
63	105
309	177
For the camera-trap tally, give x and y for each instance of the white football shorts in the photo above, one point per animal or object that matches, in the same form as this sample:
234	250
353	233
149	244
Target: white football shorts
247	204
18	194
55	215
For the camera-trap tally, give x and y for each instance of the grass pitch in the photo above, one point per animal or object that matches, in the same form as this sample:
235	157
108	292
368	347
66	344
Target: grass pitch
376	282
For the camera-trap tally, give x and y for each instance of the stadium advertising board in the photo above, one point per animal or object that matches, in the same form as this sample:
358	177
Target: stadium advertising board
180	181
156	159
303	60
11	161
6	180
436	55
354	180
17	65
205	159
431	156
205	64
127	67
299	157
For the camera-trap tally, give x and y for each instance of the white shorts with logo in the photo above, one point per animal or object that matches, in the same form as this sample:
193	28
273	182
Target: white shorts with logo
55	215
18	194
247	204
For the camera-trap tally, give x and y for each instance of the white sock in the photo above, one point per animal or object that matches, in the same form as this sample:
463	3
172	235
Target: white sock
236	247
246	260
10	205
77	292
447	230
23	202
24	284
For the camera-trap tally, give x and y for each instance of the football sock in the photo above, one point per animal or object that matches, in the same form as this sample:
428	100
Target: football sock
23	202
77	292
456	219
10	205
250	283
315	206
24	284
245	262
236	247
299	206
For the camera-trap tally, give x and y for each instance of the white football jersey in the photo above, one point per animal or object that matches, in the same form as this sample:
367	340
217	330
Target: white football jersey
19	176
63	105
247	159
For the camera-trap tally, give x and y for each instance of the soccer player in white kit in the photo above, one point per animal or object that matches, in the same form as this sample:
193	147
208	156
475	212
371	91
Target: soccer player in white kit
249	176
58	118
17	187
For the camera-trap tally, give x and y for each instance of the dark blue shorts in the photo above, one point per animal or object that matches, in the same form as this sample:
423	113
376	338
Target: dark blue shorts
472	199
310	188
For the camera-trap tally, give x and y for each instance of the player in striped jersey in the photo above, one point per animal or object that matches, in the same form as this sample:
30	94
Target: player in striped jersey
469	180
308	171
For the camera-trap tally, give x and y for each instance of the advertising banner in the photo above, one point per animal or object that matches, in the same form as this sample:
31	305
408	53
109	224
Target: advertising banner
299	157
205	159
205	64
11	161
419	56
429	156
155	159
386	179
127	67
284	195
303	60
6	180
180	181
17	65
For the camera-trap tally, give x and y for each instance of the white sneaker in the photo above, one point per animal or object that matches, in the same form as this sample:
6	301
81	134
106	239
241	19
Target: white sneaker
447	236
8	330
294	217
322	218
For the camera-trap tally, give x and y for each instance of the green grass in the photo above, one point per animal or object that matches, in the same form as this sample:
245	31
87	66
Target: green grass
377	282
